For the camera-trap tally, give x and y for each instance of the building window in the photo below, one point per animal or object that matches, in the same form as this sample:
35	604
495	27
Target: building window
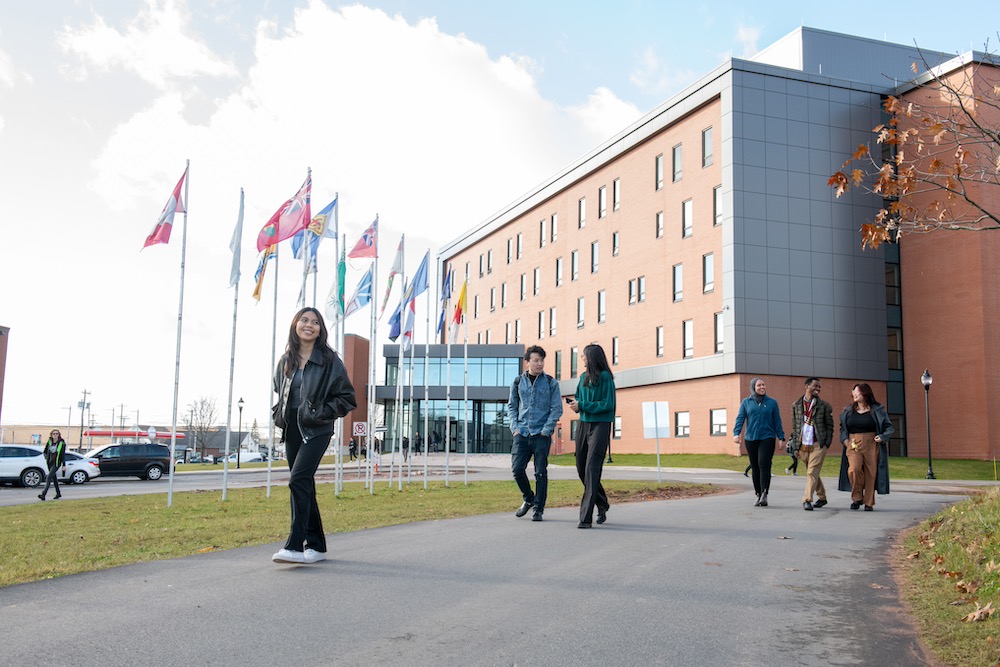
602	201
706	147
678	171
720	345
558	370
558	271
493	299
594	257
688	328
614	351
538	281
617	433
893	296
633	291
503	295
659	172
541	233
642	288
482	264
489	338
717	205
602	306
541	324
554	227
687	218
717	421
506	333
659	341
682	424
517	331
524	286
552	321
479	338
895	349
616	194
520	245
489	261
581	212
708	272
573	360
467	274
659	224
475	307
579	313
678	282
510	250
614	244
574	265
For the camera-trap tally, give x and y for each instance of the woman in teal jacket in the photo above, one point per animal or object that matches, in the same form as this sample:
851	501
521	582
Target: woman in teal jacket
762	417
595	402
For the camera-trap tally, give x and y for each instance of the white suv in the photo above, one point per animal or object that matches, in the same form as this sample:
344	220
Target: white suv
25	465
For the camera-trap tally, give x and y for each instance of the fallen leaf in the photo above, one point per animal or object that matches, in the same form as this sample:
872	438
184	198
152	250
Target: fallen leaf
915	554
876	586
969	587
992	566
980	614
205	550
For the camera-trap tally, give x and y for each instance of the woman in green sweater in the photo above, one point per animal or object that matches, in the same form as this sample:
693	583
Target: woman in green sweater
595	402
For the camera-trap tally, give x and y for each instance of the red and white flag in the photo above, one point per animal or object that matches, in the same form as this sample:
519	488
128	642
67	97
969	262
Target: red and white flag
161	232
367	245
293	216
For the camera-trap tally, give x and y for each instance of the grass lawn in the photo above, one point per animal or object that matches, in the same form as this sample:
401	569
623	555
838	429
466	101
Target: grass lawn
899	467
44	540
951	568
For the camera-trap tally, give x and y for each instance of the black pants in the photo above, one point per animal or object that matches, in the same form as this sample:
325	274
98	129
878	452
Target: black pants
303	461
761	453
592	441
794	465
53	479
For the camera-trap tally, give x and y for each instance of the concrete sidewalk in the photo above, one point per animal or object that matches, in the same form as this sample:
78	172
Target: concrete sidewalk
687	582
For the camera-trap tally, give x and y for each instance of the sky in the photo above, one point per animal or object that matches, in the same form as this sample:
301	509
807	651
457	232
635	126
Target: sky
432	115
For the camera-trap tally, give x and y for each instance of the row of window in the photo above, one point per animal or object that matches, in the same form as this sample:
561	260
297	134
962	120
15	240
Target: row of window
677	161
682	424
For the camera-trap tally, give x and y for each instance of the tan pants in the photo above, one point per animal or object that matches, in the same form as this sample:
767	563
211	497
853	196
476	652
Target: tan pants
814	465
862	466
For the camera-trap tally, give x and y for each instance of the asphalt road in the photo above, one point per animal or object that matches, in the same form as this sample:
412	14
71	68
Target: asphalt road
706	581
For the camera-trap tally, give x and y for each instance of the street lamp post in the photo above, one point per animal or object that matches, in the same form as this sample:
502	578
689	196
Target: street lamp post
239	432
926	380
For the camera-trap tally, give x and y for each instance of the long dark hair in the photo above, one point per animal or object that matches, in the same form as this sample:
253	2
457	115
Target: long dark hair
866	392
293	351
596	362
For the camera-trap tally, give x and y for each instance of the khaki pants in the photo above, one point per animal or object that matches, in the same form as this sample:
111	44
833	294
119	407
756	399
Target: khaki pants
862	466
814	465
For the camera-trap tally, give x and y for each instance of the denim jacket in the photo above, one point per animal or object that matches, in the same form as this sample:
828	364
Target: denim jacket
534	408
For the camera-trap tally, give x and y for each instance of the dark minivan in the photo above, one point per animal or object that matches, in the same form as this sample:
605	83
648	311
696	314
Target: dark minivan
127	459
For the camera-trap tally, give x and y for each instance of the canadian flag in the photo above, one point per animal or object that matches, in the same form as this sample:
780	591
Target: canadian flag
161	232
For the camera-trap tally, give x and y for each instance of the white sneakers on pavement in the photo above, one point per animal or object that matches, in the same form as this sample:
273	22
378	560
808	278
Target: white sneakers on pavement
313	556
289	556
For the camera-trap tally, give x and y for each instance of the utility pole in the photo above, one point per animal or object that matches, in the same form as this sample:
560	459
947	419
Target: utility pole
84	405
121	419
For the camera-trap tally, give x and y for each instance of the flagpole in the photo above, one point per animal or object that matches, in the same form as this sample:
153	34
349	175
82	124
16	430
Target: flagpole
427	370
177	358
398	417
409	409
274	338
232	348
371	364
447	400
465	401
338	340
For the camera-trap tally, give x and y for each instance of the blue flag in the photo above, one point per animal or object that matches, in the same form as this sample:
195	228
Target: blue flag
362	295
445	298
318	228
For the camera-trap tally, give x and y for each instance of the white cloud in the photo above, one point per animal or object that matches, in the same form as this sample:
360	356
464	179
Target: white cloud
157	46
604	114
747	37
655	77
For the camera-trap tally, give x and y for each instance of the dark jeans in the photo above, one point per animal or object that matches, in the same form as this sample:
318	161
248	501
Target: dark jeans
52	478
303	461
526	447
794	465
761	453
592	442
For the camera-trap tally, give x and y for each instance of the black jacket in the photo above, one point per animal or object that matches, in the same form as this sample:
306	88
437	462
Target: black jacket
327	395
884	428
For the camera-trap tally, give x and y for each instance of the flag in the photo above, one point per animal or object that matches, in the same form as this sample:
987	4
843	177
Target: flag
362	295
258	276
460	308
445	298
395	323
161	231
293	216
396	268
235	245
335	299
411	316
419	284
367	246
315	232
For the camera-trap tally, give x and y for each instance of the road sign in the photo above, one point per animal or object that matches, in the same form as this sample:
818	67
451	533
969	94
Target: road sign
361	428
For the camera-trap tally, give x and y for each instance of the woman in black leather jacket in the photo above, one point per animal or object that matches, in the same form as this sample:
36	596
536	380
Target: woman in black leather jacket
313	392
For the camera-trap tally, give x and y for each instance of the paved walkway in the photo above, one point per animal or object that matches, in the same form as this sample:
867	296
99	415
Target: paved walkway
705	581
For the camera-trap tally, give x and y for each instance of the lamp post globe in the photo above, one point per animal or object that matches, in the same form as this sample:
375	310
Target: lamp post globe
239	432
926	380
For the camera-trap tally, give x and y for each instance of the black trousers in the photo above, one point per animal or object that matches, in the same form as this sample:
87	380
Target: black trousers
592	442
52	478
303	461
761	454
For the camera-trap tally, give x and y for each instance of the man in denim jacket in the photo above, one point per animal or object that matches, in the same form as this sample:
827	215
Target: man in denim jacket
534	407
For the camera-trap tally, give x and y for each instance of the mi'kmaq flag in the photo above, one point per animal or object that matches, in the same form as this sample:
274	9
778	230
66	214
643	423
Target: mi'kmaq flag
161	232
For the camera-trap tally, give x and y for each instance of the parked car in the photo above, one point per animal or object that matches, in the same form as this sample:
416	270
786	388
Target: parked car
22	465
247	457
144	461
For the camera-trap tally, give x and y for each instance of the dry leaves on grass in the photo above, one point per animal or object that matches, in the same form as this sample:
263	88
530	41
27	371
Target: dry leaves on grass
876	586
980	614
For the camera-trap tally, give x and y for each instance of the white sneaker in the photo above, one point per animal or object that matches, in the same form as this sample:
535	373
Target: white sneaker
289	556
313	556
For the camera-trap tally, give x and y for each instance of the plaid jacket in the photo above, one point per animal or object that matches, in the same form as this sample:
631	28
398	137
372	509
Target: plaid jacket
822	423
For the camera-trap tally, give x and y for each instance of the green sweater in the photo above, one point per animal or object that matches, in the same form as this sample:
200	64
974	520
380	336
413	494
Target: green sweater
597	402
